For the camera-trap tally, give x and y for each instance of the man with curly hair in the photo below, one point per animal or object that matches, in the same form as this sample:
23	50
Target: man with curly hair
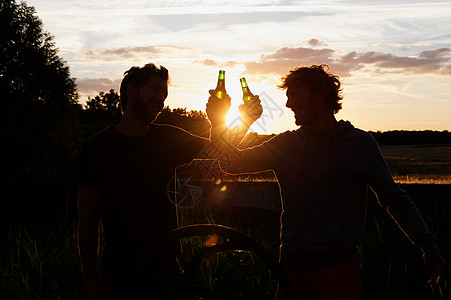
324	169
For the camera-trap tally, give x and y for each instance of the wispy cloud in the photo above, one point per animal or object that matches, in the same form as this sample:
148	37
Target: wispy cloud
121	53
408	46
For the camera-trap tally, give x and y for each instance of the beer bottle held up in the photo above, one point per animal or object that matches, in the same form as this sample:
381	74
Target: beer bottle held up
220	86
247	95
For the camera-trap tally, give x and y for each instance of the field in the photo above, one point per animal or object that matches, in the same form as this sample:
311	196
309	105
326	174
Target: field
419	163
422	164
42	262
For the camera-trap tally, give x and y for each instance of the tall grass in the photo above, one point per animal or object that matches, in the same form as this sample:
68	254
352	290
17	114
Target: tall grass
40	263
392	267
43	263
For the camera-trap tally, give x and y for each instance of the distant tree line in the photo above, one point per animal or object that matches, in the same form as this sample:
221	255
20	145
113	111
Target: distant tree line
404	137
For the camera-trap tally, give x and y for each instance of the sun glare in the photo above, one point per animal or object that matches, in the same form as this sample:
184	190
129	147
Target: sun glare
233	118
233	87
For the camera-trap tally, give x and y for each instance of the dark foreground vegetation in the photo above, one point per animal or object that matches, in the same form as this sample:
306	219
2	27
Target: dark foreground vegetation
41	262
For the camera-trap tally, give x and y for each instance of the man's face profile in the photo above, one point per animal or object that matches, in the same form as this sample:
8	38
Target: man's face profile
302	102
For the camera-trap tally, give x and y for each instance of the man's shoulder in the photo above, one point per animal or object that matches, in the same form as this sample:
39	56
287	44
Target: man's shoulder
100	138
362	134
282	138
358	136
104	133
345	128
171	131
166	128
357	132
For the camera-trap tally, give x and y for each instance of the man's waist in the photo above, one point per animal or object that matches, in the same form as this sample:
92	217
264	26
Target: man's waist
315	259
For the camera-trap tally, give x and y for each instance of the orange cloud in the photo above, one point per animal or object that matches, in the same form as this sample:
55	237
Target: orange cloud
316	42
212	63
434	61
96	85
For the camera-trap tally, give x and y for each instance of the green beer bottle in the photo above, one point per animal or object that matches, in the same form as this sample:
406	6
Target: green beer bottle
220	86
247	95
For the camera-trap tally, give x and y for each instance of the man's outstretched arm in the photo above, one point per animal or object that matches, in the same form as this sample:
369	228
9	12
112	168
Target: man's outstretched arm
405	213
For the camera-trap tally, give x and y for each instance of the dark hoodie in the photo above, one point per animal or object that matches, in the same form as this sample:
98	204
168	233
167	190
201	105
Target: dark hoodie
323	179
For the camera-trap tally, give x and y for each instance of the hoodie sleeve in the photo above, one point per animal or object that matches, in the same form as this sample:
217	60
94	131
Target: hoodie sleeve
256	159
394	199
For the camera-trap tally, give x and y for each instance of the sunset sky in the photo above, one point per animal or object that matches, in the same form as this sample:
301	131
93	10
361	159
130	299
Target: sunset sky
393	56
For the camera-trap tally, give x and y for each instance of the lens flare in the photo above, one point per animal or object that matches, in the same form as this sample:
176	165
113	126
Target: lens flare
212	240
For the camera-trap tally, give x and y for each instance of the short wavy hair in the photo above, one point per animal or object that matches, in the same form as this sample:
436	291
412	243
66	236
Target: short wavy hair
318	79
140	76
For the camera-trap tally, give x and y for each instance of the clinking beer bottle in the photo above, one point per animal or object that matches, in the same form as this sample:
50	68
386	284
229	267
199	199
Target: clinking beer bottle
220	86
247	95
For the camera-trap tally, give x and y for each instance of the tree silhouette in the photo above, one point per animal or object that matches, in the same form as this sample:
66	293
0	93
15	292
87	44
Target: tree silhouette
104	109
99	112
194	121
39	103
106	103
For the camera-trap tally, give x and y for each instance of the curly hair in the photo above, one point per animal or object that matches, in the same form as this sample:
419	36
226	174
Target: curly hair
140	76
318	79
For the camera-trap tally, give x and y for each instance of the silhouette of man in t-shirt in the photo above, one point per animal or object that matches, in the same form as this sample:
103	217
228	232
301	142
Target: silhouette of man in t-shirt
122	177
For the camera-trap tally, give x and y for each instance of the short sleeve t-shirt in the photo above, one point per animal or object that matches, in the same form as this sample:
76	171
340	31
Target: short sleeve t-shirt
132	175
